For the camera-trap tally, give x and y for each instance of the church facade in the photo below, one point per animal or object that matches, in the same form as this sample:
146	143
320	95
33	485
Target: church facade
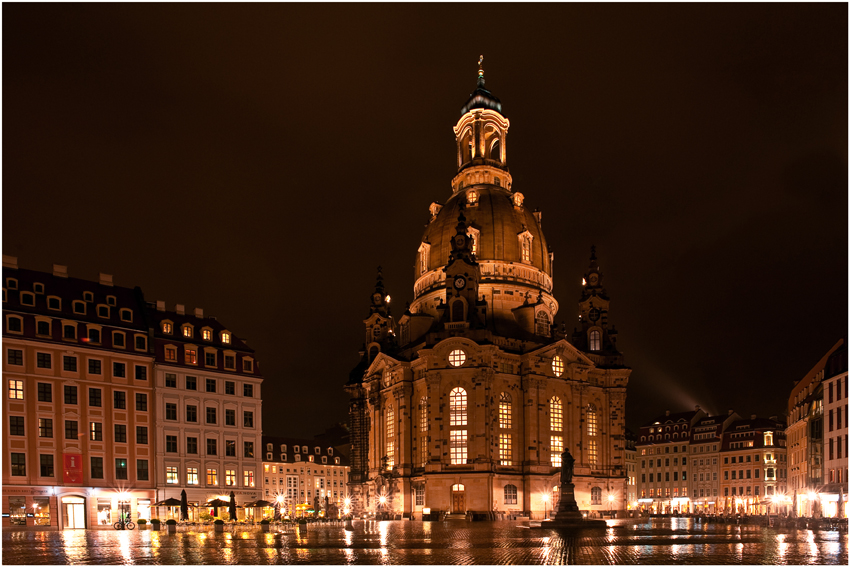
465	403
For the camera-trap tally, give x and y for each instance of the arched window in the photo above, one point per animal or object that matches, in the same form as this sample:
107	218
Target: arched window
466	146
457	407
457	419
474	234
471	197
595	495
505	422
595	342
496	150
390	437
423	431
542	324
505	410
591	420
556	426
510	495
457	311
556	414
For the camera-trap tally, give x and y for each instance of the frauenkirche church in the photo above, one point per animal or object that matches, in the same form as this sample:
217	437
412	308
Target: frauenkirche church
465	403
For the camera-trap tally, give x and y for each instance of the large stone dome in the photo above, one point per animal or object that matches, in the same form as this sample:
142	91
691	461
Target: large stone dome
497	224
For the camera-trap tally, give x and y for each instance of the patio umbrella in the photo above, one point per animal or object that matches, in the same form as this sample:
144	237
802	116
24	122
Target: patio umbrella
277	511
840	512
215	504
167	502
184	506
231	507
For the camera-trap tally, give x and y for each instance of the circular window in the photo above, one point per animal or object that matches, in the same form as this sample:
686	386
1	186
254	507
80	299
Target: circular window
557	365
457	357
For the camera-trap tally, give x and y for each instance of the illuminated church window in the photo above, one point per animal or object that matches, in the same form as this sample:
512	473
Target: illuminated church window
457	357
542	324
457	407
505	418
390	437
471	197
595	342
558	365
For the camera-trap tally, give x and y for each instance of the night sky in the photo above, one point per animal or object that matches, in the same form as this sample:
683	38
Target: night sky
260	161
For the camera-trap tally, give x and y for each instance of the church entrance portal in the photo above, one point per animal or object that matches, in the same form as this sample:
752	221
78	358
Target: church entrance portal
458	501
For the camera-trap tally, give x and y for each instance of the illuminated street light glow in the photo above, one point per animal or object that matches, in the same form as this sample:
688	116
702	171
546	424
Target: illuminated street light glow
382	499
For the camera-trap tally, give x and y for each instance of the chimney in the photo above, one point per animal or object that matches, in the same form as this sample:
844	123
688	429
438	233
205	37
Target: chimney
160	306
199	313
730	412
667	412
181	309
10	261
60	271
106	279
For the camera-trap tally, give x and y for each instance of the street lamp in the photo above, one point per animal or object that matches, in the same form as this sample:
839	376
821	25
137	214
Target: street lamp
610	502
545	503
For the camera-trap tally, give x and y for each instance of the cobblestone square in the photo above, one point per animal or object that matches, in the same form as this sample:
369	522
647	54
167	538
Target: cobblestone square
676	541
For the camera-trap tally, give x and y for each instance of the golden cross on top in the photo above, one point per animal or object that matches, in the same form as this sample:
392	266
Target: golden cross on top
480	65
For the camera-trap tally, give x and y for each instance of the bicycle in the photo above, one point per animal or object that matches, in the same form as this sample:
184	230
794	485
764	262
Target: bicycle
122	525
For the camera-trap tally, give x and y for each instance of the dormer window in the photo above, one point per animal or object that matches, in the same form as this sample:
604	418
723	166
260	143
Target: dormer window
525	246
54	303
336	460
424	256
269	448
27	298
310	458
103	311
296	449
518	199
88	296
110	300
318	450
247	365
126	315
206	334
283	448
38	288
330	451
187	331
225	337
79	307
11	283
167	327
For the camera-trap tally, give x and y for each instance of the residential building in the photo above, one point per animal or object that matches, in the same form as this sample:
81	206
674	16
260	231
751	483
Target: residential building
305	477
706	439
208	399
439	401
834	492
805	436
631	470
78	439
754	466
662	450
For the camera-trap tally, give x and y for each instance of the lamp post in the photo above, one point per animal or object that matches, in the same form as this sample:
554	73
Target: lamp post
610	502
545	503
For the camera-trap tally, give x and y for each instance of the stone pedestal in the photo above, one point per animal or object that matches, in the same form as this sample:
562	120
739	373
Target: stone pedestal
568	516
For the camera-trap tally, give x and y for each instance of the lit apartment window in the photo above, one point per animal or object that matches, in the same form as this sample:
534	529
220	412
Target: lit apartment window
171	354
191	356
171	475
187	331
225	337
167	328
191	475
16	389
249	479
230	477
212	477
206	334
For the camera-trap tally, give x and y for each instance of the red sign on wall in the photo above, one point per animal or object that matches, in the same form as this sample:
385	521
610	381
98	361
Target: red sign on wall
73	468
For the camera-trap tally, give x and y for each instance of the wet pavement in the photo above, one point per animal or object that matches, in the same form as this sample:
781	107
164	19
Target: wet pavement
659	541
